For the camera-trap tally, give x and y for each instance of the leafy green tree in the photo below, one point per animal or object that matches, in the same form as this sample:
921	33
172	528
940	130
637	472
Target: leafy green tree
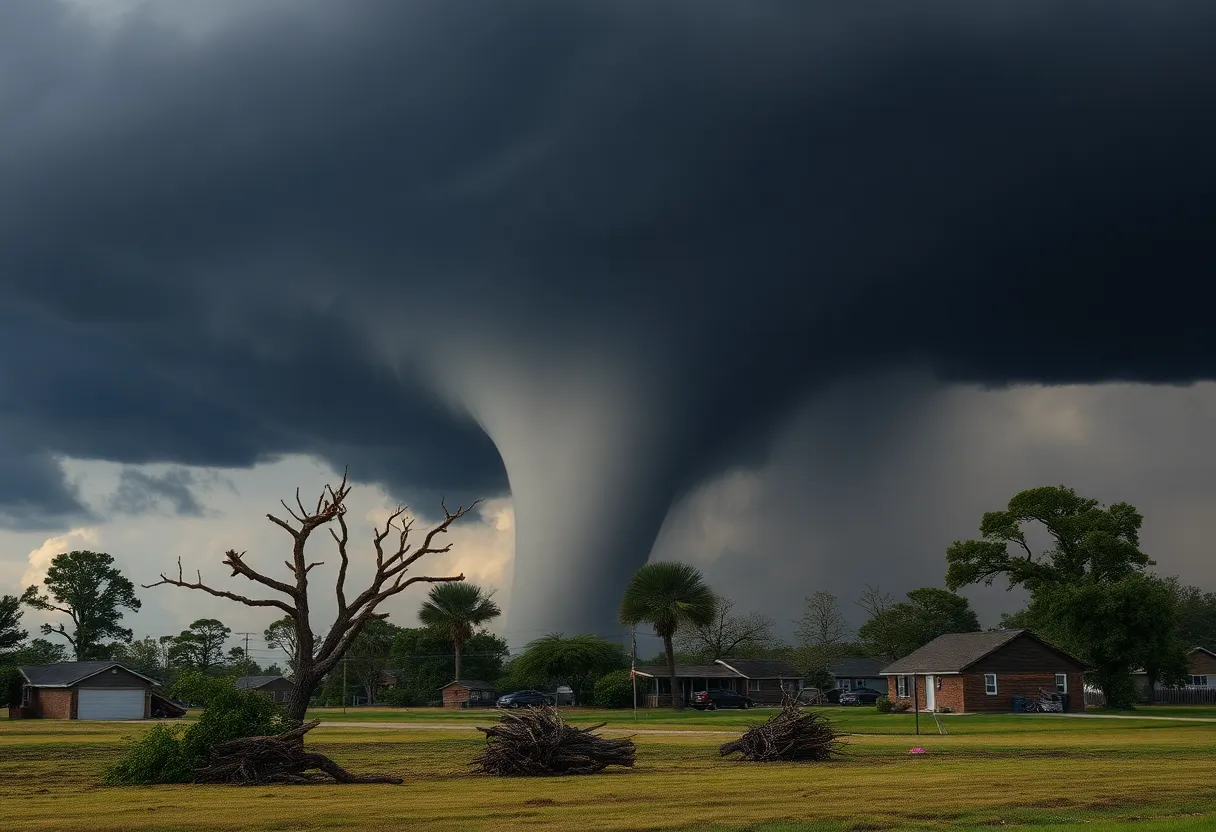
92	592
369	654
575	661
458	610
908	625
1196	615
282	634
728	635
1090	591
422	660
669	597
143	656
238	664
11	634
39	652
201	647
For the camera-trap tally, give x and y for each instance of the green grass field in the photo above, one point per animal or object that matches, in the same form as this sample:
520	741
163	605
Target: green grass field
1006	771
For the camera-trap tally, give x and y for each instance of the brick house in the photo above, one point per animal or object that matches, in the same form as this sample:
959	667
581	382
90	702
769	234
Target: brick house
468	693
83	690
973	672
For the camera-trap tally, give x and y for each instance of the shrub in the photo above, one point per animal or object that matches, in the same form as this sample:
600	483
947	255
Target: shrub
614	690
884	704
397	698
170	754
945	710
900	706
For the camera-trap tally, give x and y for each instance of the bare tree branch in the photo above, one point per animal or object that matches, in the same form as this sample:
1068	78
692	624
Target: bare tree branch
219	593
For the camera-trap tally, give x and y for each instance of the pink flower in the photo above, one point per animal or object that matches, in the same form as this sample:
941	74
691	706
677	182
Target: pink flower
918	750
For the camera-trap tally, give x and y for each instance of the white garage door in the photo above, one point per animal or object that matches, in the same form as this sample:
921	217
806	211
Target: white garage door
110	703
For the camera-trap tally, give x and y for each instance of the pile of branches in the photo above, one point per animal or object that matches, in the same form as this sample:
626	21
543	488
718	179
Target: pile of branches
280	759
792	734
536	742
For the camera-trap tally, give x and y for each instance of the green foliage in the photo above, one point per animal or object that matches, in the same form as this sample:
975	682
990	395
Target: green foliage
87	587
202	645
11	634
884	704
282	634
575	661
1196	615
928	613
11	683
423	661
170	754
1090	592
145	656
368	656
457	609
668	596
613	690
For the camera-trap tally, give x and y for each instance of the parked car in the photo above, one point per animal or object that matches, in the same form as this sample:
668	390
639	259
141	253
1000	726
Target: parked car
524	699
860	696
709	700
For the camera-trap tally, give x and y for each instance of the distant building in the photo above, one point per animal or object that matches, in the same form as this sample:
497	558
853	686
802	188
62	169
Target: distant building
84	690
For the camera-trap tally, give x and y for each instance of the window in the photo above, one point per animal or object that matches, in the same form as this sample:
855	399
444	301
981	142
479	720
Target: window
753	684
27	694
990	684
1199	681
1061	683
901	686
938	679
859	683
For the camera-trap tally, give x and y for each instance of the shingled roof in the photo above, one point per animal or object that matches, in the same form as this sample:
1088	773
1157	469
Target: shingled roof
66	674
857	667
761	668
255	682
694	671
954	652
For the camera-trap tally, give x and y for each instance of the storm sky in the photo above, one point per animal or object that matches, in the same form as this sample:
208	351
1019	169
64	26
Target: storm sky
796	289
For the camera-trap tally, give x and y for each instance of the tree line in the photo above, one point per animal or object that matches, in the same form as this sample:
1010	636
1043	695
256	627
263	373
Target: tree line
1091	592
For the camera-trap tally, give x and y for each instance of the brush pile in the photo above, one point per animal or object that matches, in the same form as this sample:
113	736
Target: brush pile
280	759
536	742
792	734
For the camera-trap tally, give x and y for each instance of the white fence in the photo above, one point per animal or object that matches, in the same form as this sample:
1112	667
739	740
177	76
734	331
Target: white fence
1163	696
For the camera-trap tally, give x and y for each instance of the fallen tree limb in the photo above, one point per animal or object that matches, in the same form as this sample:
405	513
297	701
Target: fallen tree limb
536	742
791	734
280	759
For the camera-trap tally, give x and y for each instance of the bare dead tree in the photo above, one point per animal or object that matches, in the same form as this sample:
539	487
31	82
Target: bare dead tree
313	660
728	634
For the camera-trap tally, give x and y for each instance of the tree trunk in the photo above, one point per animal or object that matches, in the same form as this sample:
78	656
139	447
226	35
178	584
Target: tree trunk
298	699
677	700
457	679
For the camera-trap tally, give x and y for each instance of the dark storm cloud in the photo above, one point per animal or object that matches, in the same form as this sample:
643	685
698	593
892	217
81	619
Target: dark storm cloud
141	493
739	202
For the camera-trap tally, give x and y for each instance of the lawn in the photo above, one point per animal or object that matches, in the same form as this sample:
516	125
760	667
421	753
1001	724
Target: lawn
1028	771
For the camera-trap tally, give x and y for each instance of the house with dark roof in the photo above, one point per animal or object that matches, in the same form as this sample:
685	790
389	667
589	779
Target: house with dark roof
763	681
467	693
970	672
852	672
83	690
1199	687
276	687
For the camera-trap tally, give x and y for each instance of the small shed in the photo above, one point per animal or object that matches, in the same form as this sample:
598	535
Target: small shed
276	687
468	693
564	695
84	690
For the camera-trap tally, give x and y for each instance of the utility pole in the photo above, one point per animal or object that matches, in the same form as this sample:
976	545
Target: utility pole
633	676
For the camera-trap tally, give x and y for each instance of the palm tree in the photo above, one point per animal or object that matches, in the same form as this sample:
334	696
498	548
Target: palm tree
668	596
456	609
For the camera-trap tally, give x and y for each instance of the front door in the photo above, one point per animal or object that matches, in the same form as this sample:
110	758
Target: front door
930	694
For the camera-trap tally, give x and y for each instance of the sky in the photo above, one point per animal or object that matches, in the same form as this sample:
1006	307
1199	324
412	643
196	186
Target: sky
791	291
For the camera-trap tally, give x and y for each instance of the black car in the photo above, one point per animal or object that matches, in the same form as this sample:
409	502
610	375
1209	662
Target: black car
524	699
709	700
860	696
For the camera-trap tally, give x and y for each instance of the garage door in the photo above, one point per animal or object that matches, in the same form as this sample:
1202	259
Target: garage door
110	703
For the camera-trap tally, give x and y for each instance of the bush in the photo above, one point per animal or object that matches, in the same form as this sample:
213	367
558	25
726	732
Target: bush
884	704
900	706
170	754
11	683
945	710
613	690
397	698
